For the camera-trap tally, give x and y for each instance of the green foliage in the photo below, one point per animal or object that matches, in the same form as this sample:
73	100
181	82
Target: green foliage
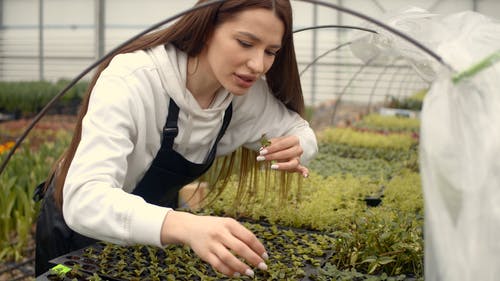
379	241
413	102
375	163
27	98
264	141
386	153
330	272
386	239
381	123
365	154
348	136
26	169
354	241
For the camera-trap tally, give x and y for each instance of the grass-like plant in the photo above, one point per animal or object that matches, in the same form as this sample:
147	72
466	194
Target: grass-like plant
27	168
27	98
381	123
349	136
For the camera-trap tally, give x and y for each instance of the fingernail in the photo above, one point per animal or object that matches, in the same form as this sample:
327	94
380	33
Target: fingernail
274	166
236	274
263	151
249	272
265	256
261	158
262	266
305	175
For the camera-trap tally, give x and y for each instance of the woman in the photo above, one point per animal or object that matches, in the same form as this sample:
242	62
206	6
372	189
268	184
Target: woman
156	116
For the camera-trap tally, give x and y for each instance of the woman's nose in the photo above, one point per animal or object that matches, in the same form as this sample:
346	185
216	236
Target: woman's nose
256	63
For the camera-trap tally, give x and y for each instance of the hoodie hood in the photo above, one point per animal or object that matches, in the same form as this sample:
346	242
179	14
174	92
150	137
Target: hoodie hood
172	68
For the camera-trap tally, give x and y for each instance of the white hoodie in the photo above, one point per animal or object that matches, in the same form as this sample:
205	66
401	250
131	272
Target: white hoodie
121	135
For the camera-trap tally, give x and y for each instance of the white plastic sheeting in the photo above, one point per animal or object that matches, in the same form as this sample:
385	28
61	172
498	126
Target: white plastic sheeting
460	136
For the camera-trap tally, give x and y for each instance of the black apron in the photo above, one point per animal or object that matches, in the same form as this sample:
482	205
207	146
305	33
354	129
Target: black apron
168	173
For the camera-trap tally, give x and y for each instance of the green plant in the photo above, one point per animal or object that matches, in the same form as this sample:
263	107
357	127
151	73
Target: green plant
413	102
348	136
386	239
372	162
27	168
381	123
264	141
27	98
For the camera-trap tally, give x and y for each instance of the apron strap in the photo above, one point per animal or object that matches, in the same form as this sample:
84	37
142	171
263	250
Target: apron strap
170	130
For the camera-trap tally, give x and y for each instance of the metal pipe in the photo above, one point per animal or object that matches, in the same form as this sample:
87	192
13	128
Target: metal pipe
1	27
338	58
40	42
100	27
403	82
334	26
315	59
314	52
344	90
375	87
1	13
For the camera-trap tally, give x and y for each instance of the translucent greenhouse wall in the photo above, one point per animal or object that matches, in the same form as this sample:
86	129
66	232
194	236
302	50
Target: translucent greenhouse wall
68	43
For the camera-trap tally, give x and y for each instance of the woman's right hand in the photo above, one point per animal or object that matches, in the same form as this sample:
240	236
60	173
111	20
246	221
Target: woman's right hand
214	240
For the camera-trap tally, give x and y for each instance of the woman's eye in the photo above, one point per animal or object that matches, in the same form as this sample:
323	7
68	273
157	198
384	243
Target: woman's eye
245	44
271	53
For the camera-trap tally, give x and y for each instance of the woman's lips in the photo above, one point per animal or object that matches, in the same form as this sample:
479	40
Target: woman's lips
244	81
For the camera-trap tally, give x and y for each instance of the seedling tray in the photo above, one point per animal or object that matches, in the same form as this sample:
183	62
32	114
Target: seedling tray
295	254
55	275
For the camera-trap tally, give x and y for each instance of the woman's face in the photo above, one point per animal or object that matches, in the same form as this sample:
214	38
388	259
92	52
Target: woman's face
243	49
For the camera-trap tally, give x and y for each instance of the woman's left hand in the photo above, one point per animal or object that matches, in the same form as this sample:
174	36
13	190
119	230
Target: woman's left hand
285	152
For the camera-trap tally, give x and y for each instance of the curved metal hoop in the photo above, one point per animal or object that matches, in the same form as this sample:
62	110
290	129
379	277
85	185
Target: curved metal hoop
316	59
44	110
334	26
382	25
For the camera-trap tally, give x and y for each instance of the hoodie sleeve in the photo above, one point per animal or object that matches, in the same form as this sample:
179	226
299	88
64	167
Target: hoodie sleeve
259	112
95	203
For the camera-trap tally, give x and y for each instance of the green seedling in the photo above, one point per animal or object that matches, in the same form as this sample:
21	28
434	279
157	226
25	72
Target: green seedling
264	141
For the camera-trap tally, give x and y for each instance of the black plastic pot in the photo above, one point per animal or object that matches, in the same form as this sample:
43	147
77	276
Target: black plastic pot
372	201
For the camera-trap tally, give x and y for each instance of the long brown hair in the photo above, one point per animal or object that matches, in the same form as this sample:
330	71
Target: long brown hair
188	34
